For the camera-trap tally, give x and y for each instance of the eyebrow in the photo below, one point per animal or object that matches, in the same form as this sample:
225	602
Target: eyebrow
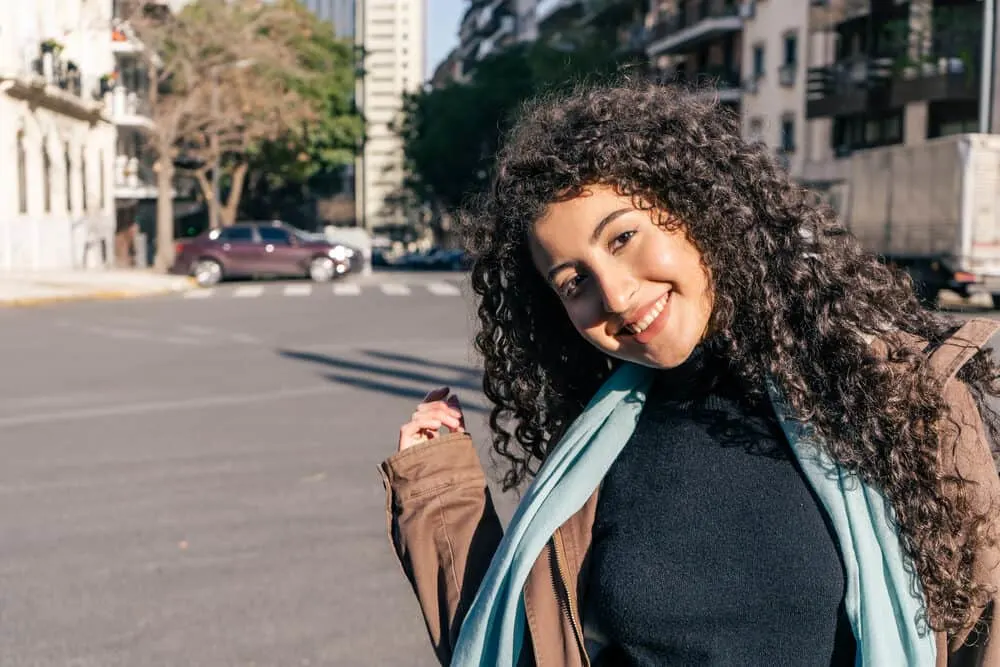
594	236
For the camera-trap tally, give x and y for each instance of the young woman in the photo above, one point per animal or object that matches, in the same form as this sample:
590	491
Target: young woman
748	443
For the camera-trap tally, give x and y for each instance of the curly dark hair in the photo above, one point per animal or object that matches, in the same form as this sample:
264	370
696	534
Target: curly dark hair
795	297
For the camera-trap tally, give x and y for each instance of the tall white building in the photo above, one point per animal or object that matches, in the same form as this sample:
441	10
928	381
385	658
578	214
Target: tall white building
775	39
57	145
390	34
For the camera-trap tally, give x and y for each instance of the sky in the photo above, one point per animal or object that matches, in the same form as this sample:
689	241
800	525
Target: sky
442	30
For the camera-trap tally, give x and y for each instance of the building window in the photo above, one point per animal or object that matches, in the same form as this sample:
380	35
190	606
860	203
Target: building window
791	49
755	131
788	134
22	174
46	178
758	61
83	180
69	178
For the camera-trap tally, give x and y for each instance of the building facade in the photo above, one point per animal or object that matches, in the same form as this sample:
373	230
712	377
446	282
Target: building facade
390	34
883	73
700	43
489	26
775	34
57	144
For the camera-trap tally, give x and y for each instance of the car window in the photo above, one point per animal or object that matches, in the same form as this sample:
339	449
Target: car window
236	234
274	235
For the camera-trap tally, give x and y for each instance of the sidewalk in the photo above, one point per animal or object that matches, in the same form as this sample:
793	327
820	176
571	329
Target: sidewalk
25	288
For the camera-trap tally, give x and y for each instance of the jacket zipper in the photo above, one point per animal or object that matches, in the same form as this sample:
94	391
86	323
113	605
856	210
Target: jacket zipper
566	600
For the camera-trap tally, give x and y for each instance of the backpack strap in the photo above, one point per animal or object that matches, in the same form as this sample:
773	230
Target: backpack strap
964	344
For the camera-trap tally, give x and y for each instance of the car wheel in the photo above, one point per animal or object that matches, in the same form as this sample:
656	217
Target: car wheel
322	269
207	272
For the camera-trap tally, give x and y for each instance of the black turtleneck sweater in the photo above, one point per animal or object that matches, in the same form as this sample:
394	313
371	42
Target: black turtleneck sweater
709	546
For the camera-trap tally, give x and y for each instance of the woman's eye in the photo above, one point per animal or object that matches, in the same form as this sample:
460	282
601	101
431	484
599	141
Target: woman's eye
570	287
619	241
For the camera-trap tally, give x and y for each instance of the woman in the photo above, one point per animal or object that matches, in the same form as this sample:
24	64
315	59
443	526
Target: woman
749	443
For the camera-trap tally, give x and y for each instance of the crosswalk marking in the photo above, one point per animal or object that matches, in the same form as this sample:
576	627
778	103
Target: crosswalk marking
443	289
395	289
248	291
298	290
347	289
199	293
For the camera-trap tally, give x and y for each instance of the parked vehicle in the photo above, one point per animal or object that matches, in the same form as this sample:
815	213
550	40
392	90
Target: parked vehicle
932	209
438	259
255	249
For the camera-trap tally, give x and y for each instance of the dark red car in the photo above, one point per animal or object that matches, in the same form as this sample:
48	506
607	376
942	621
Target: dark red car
251	249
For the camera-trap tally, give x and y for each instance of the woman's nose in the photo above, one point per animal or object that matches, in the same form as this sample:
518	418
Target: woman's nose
617	292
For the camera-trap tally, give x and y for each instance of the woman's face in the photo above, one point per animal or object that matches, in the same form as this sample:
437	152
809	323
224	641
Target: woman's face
633	290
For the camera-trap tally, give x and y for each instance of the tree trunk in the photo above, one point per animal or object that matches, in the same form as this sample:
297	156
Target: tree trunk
232	206
206	190
164	213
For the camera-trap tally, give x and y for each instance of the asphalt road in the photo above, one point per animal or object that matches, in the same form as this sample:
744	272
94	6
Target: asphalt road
192	481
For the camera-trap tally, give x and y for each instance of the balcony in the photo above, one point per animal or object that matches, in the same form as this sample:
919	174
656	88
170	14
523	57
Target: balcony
937	80
55	83
127	108
555	14
714	82
134	178
848	87
612	12
685	29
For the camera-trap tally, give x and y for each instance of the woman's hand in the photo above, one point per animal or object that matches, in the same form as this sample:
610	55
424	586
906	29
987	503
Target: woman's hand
440	408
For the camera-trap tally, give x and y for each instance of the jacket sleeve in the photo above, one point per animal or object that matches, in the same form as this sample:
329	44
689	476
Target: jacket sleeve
443	529
966	455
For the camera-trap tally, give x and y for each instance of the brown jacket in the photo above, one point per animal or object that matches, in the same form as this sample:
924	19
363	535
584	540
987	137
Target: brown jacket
444	531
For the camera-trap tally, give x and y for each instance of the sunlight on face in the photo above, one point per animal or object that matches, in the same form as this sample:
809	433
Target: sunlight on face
633	290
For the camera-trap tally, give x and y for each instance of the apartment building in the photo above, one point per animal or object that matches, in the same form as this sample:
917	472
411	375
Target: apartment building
775	33
884	73
391	36
57	145
700	43
489	26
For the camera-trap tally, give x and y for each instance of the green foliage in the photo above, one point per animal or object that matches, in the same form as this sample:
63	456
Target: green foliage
451	134
325	79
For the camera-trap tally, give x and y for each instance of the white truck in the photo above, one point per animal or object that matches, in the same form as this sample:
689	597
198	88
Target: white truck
932	209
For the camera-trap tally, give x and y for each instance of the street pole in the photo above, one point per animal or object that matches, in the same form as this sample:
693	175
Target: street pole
214	210
986	76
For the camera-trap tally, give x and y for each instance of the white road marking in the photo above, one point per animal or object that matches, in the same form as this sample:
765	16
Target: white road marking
196	330
186	404
347	289
248	291
199	293
298	290
245	338
443	289
395	289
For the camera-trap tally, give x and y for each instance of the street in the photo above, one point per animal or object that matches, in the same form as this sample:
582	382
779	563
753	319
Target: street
192	481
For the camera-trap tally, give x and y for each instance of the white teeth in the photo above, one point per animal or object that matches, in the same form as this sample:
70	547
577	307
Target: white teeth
644	323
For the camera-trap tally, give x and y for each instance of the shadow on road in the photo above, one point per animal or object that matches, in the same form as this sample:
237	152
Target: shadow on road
383	378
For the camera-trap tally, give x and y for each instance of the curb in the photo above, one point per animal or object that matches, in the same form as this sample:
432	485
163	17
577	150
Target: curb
99	295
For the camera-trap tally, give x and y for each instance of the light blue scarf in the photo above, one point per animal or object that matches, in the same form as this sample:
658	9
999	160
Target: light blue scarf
882	602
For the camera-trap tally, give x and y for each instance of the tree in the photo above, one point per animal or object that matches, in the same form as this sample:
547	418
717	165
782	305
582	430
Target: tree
226	78
451	134
312	157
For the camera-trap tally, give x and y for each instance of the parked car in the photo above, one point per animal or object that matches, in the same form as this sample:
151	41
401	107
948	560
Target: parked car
437	259
254	249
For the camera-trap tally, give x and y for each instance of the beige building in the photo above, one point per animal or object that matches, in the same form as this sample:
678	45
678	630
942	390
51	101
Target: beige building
390	34
57	146
882	74
775	36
